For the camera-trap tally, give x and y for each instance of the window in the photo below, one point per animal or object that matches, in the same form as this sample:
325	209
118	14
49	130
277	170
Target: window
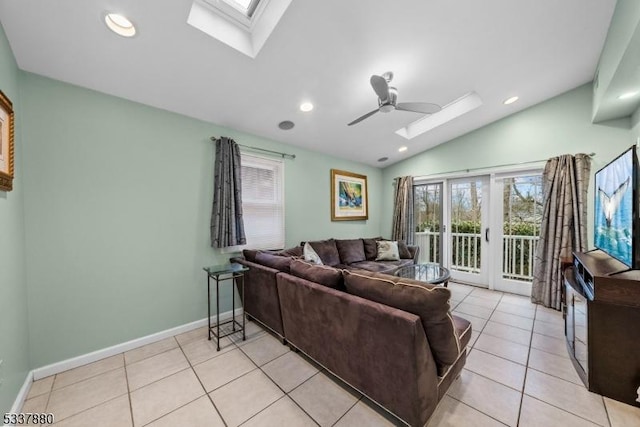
263	201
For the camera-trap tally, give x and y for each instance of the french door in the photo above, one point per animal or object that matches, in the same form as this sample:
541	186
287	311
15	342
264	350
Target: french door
517	225
484	229
468	225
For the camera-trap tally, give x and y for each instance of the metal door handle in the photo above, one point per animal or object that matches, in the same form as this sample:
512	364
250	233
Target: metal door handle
486	234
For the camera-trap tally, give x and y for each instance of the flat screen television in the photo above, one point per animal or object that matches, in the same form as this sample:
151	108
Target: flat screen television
616	208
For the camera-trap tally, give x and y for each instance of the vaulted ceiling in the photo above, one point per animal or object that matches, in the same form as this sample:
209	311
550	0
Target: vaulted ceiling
323	52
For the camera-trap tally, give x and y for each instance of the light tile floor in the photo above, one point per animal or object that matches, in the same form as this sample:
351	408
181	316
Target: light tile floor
518	374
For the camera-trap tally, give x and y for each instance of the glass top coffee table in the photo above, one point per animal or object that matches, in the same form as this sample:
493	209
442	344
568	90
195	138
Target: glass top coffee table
429	272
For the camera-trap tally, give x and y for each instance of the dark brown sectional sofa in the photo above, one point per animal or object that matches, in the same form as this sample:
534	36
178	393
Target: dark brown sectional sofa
393	339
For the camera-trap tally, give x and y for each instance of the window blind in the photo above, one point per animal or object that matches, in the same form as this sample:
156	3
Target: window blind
263	201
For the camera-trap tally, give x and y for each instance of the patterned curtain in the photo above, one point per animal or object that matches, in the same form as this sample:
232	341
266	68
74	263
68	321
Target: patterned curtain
227	227
564	224
403	228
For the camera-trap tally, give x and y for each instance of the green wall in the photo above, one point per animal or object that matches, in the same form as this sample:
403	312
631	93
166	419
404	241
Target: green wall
561	125
624	24
118	203
14	333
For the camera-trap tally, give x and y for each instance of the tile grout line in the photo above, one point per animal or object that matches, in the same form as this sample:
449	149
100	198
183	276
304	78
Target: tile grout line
475	409
126	377
150	356
526	370
347	411
46	406
202	385
523	382
287	394
606	411
91	407
548	403
563	410
87	378
300	406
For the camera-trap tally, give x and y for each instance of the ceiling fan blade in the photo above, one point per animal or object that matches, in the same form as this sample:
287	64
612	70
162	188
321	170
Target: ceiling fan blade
418	107
361	118
381	87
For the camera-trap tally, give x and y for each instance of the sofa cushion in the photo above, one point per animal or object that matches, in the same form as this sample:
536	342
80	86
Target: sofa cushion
350	251
309	254
429	302
387	251
323	274
278	262
388	267
327	251
403	250
371	248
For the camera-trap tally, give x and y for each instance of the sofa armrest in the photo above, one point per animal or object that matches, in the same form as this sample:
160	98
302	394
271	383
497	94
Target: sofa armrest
261	295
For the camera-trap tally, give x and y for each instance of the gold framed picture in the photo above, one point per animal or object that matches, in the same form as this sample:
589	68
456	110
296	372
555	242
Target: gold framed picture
6	143
349	197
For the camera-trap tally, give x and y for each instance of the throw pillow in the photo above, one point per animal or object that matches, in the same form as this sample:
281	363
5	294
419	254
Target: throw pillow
371	248
350	250
310	254
387	251
327	251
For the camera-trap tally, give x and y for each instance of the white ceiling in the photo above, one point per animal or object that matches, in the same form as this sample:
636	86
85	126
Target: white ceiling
322	51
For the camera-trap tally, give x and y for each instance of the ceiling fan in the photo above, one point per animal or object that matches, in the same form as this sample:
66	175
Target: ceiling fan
388	96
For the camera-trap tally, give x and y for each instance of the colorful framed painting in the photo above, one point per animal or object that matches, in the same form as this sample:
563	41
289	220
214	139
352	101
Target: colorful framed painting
349	197
6	143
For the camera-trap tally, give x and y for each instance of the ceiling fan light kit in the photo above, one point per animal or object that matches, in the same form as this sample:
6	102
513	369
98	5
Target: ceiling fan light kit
388	97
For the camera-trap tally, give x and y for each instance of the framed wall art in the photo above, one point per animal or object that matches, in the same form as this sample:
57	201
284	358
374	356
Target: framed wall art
6	143
349	197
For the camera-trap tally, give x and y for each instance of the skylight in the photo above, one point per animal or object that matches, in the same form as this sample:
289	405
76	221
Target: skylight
247	7
244	25
457	108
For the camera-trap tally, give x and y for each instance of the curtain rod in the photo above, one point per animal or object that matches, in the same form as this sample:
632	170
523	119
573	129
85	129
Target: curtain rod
263	150
484	167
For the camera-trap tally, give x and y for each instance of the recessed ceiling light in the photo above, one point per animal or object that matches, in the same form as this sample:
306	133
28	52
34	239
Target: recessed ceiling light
120	25
403	148
306	107
628	95
510	100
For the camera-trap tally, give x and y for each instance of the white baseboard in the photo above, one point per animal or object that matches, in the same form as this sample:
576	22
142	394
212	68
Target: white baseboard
56	368
22	394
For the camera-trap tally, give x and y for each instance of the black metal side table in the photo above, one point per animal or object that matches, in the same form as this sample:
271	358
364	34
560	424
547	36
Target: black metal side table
236	273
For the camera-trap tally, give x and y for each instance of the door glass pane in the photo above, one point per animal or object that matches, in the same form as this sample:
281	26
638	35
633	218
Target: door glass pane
466	234
427	202
522	209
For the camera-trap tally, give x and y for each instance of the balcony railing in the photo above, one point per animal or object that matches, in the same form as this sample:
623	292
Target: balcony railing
518	253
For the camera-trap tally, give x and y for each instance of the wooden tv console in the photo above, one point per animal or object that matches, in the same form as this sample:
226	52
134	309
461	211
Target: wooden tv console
601	309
